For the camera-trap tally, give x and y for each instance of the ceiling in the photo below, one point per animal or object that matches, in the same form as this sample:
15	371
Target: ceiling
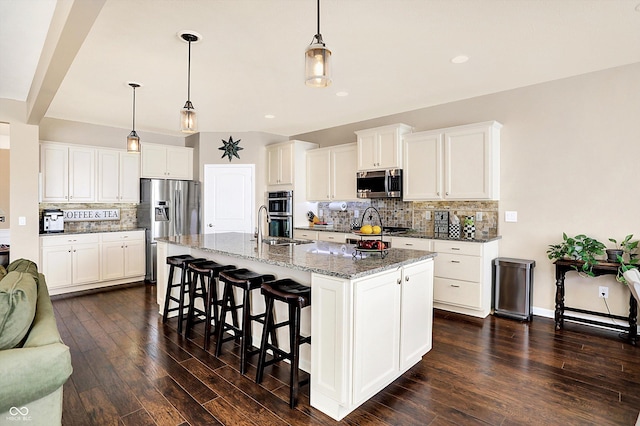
390	56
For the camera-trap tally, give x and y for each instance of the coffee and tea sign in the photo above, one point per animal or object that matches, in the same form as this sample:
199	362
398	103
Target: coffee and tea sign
91	215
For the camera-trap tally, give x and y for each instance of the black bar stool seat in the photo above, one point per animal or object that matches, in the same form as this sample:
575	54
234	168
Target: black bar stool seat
296	296
181	261
247	281
209	294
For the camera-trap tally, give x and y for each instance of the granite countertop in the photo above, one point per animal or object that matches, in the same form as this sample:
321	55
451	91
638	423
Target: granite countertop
320	257
409	234
47	234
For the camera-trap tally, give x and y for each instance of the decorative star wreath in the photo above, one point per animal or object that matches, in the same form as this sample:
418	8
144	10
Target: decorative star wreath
230	148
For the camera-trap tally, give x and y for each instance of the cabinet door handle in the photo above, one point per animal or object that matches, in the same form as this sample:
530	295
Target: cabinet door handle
406	278
69	251
399	281
446	193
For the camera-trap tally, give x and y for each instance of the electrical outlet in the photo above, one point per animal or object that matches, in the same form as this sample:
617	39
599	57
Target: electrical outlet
510	216
356	213
478	216
427	215
320	213
603	292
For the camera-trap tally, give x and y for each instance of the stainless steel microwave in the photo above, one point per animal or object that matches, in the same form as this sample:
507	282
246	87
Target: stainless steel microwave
379	183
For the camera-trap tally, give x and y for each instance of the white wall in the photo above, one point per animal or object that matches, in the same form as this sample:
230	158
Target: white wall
569	161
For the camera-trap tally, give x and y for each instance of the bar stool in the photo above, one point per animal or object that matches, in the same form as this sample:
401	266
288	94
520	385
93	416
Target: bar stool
180	261
209	295
247	281
296	296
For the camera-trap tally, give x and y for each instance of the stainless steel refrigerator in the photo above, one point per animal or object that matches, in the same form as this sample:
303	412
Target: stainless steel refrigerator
167	208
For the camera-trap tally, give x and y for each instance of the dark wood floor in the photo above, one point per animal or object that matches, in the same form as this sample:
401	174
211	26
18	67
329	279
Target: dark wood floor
129	369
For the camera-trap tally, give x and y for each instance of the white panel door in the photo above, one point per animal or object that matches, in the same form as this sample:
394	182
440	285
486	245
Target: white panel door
229	194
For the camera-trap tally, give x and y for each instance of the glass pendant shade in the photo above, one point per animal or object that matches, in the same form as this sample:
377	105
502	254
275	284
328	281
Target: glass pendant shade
188	119
317	65
133	142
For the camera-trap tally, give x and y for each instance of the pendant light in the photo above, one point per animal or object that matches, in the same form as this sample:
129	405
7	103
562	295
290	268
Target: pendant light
317	61
133	140
188	119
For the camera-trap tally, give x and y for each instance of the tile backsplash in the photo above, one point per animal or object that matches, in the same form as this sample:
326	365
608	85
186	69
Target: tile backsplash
128	217
412	214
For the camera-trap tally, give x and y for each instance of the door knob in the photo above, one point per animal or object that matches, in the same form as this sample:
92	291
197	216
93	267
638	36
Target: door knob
211	225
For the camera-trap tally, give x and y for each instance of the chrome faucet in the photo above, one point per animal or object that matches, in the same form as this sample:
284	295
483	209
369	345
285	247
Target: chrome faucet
259	236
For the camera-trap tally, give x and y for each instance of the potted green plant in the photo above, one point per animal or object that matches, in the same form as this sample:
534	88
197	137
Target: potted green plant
580	247
626	255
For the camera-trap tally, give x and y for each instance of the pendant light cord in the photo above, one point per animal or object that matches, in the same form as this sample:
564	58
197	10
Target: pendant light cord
319	19
189	75
134	108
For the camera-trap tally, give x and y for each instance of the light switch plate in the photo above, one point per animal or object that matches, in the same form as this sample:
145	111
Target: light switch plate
22	220
478	216
510	216
427	215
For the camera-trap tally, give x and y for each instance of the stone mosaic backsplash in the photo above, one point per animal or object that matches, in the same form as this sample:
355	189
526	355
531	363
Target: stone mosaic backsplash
412	214
128	217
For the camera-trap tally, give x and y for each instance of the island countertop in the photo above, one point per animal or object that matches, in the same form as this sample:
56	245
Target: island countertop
324	258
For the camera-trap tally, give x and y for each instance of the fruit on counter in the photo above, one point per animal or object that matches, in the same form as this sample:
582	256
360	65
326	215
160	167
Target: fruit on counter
366	229
316	219
372	245
377	229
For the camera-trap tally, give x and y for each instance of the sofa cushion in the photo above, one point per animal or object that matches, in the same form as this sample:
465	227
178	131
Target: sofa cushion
24	265
3	272
18	297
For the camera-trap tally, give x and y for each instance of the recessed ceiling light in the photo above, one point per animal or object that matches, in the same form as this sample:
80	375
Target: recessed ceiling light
342	94
269	116
460	59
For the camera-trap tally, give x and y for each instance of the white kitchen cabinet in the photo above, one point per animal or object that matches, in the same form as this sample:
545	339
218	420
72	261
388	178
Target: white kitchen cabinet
70	260
123	255
412	243
457	163
305	235
86	261
332	237
118	176
416	313
462	276
166	161
388	315
68	173
331	173
381	147
280	164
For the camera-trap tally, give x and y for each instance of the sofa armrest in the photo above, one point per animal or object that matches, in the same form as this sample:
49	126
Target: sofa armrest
31	373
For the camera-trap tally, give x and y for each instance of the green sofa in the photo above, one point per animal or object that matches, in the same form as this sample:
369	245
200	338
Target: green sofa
34	362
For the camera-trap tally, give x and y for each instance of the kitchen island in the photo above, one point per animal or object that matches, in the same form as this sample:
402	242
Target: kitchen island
370	320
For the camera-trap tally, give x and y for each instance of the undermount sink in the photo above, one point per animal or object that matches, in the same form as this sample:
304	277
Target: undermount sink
283	241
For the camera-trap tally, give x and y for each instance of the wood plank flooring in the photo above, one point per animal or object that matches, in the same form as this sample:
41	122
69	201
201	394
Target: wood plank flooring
130	369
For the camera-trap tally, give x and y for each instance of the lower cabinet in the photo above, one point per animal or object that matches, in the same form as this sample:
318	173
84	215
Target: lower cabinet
122	255
85	261
462	276
372	330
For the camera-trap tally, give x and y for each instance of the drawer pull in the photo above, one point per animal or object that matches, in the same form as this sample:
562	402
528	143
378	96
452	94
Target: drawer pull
455	248
408	244
455	261
455	286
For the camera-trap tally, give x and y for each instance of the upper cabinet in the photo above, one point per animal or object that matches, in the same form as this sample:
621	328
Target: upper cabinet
166	161
456	163
381	147
286	165
118	176
280	164
331	173
68	173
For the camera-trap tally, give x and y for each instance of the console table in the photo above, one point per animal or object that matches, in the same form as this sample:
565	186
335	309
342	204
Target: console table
602	268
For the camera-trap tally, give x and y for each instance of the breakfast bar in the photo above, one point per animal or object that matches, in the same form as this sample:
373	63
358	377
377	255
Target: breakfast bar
370	319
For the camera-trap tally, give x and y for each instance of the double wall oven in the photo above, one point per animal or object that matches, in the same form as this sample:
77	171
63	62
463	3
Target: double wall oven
280	207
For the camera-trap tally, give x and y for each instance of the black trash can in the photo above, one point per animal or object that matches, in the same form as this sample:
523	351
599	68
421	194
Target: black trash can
513	288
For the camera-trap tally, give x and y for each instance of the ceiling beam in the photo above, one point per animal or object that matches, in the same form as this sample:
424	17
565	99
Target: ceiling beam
71	22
